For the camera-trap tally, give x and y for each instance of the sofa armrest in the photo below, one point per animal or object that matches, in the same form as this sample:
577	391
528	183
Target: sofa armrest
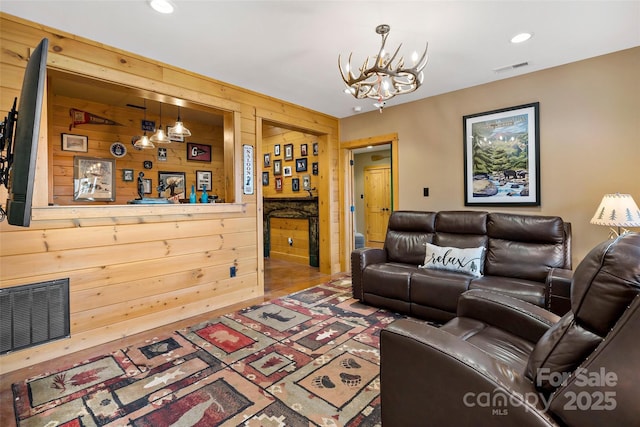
519	317
559	290
432	378
360	258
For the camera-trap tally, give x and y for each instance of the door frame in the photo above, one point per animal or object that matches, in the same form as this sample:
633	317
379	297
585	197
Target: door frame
346	189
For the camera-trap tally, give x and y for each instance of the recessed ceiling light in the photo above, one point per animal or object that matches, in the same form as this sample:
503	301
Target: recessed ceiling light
162	6
522	37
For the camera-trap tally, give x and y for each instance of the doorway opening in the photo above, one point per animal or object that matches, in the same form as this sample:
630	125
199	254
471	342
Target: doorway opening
372	194
370	189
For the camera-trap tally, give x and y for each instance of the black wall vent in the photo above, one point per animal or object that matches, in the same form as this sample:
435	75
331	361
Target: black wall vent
33	314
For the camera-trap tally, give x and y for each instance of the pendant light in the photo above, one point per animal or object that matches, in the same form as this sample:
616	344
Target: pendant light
178	130
144	142
160	136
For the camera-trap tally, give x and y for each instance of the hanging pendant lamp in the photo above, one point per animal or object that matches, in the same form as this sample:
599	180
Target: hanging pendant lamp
144	142
160	136
178	130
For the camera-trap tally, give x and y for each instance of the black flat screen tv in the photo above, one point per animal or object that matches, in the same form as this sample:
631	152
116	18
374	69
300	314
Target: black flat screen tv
21	149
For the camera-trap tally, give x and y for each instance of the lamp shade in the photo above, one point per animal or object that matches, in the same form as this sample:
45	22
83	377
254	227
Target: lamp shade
617	210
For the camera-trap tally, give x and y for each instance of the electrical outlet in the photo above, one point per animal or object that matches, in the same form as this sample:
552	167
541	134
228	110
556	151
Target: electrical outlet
425	191
290	241
232	271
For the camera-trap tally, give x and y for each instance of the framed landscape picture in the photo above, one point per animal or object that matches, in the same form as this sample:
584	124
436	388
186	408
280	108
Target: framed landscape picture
501	157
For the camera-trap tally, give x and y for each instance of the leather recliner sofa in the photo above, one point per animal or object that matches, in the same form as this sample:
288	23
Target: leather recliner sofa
506	362
525	256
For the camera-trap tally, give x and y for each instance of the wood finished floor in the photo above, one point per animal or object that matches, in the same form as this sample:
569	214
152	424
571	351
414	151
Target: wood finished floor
281	278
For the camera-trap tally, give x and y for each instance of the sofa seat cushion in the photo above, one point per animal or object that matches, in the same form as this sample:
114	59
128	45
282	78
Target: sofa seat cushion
387	285
438	288
500	344
526	290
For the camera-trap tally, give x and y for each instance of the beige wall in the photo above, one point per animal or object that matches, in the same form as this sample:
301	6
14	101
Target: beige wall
589	139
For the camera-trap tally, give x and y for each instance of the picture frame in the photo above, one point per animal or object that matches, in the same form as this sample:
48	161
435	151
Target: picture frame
204	178
295	184
162	154
288	151
303	150
314	168
267	160
198	152
306	182
315	148
77	143
94	179
277	167
301	165
174	184
127	175
278	183
287	171
172	136
265	178
502	157
147	183
276	150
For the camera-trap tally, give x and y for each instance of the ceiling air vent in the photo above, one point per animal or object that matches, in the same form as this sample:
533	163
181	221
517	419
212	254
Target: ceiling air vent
510	67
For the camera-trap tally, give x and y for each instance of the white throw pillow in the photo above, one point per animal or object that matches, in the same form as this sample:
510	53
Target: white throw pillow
469	260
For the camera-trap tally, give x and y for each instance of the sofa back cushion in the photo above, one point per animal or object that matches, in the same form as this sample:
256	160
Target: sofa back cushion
407	235
461	229
524	246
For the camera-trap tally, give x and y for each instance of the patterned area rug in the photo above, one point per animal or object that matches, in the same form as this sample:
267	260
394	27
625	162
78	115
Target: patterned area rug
308	359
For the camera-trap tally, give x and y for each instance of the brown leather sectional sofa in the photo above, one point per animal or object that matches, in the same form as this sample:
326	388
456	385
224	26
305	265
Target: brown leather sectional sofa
525	256
505	362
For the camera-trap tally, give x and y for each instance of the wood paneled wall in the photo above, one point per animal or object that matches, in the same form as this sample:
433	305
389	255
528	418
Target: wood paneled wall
296	139
100	138
132	268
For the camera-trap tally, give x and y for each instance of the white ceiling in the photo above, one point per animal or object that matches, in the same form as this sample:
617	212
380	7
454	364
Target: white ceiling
289	49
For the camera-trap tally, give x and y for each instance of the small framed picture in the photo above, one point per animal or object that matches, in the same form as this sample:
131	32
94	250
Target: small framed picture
287	171
315	148
301	165
198	152
173	184
172	136
295	184
162	154
267	160
94	179
265	178
314	168
147	184
303	150
288	152
127	174
278	183
277	167
276	150
203	178
306	182
79	143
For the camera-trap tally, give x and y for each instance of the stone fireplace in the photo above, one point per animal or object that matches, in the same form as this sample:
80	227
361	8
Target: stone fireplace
295	208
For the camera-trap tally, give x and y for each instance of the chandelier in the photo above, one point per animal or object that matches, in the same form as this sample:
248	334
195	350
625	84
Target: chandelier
383	76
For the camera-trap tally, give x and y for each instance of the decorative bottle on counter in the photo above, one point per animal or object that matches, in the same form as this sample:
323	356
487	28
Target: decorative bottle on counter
205	197
192	196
